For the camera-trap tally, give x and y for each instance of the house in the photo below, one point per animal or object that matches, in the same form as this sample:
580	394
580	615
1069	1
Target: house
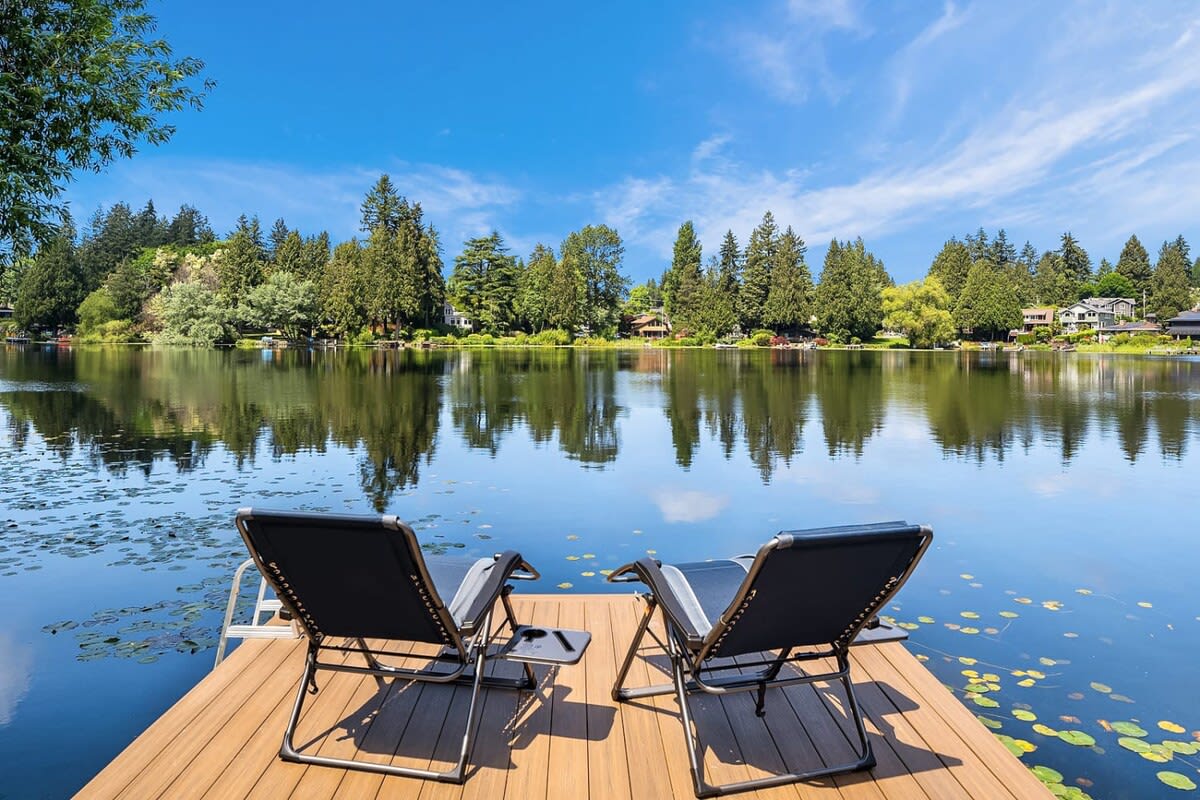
1131	328
649	326
1119	306
454	318
1036	318
1084	316
1185	325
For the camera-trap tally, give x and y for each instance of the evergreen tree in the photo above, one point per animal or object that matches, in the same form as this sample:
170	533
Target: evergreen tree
242	265
1169	288
288	255
977	245
1028	257
988	304
52	286
1195	274
1105	268
849	296
533	293
1182	246
279	235
715	315
683	282
1002	252
1134	263
951	266
1076	264
789	300
314	256
1051	286
383	206
756	273
484	283
564	306
595	253
429	259
188	227
344	289
387	299
149	229
729	267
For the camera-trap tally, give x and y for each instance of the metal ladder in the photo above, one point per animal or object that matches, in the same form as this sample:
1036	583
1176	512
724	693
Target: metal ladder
258	627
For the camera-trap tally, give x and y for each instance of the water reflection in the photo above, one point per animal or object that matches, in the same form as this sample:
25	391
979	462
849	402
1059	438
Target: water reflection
129	409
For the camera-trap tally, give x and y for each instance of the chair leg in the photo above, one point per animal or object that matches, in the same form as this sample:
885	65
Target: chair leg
865	757
511	618
618	692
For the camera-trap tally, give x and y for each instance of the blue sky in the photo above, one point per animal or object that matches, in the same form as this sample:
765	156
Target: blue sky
901	122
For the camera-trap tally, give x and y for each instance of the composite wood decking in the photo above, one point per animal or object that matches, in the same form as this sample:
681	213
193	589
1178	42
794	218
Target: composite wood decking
567	738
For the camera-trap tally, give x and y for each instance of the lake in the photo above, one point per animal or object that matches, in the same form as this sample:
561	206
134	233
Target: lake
1059	594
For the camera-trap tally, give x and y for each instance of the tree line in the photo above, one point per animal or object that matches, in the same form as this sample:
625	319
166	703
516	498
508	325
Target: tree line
138	273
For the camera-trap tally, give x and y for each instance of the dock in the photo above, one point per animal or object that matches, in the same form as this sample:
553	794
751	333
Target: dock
565	739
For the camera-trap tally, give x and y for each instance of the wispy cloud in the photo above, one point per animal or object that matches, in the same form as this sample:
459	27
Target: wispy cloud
459	202
1051	143
683	505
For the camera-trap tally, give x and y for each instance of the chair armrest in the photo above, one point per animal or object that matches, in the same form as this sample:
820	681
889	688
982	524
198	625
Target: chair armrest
502	571
647	571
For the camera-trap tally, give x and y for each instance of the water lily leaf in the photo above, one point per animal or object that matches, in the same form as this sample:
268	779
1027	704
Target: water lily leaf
1036	674
1052	605
1176	780
1171	727
984	701
969	614
1133	745
1047	775
1044	730
908	626
1024	716
970	673
1129	729
966	576
1083	591
1022	600
1077	738
978	688
1182	748
1120	698
968	660
926	620
565	585
1047	662
1156	757
968	630
1144	604
1010	744
988	722
1100	687
990	677
588	574
1009	614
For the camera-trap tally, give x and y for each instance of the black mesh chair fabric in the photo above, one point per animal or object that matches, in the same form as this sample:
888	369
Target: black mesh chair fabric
818	587
349	576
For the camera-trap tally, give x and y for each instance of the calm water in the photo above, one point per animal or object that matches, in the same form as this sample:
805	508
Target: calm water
1062	490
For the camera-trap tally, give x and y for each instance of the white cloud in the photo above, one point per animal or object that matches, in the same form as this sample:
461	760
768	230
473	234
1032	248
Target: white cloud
16	666
680	505
1065	148
458	202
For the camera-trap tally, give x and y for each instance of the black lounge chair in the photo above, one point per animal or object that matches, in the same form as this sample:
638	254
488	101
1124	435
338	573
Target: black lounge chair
809	589
349	578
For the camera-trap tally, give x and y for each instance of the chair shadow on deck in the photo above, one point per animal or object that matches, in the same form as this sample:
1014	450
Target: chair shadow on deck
805	726
411	721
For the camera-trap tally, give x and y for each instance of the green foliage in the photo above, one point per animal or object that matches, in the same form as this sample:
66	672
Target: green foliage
534	299
729	267
553	337
988	304
1111	284
83	83
243	264
96	309
193	315
1051	284
849	297
761	338
52	286
789	300
485	283
1075	262
761	255
951	266
920	310
285	303
1169	288
683	281
344	289
642	298
592	258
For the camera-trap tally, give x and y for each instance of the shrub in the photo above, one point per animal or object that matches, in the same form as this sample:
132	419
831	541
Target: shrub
821	341
95	310
1026	338
688	341
479	340
746	343
762	338
855	340
117	331
551	337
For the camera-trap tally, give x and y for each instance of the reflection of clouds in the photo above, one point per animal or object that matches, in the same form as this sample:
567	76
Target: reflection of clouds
848	488
678	505
16	665
1049	485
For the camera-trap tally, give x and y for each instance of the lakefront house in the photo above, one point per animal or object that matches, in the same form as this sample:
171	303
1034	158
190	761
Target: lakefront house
1084	315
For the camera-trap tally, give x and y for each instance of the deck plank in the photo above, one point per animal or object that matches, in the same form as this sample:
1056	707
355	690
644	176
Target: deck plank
566	739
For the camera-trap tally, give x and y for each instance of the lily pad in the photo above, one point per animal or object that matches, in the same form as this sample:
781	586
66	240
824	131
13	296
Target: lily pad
1101	687
1046	774
1133	745
1024	716
1077	738
1129	729
1171	727
1044	730
1177	780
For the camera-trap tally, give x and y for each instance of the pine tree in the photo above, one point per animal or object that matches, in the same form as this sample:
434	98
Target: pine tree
242	265
279	234
756	273
988	304
1002	252
1134	263
1051	286
951	266
595	253
977	245
1076	264
484	283
149	229
683	282
288	254
789	301
849	295
729	267
383	206
533	294
52	285
1195	274
344	289
1170	291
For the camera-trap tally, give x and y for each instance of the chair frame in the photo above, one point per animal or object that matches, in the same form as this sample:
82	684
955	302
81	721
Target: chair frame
688	651
467	654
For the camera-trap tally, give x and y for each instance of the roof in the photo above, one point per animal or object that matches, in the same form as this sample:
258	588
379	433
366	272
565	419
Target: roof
1185	317
643	319
1037	312
1132	327
1088	304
